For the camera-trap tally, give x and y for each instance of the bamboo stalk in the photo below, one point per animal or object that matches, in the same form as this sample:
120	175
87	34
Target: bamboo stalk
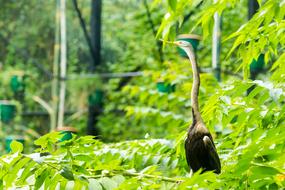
62	63
54	88
216	46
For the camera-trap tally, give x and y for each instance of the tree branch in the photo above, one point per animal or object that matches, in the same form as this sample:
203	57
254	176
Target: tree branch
158	43
84	28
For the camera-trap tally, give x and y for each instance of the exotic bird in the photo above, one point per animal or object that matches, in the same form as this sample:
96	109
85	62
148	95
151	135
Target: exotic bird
199	146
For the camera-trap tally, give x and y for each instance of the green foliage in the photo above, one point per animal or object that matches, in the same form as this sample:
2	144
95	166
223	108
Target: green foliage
105	166
254	161
262	34
248	127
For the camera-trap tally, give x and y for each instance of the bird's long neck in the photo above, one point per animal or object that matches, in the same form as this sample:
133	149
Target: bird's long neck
195	86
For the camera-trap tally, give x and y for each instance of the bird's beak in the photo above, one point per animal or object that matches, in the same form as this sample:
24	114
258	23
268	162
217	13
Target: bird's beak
176	43
169	42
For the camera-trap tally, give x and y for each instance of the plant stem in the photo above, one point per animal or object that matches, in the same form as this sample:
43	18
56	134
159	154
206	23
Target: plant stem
135	174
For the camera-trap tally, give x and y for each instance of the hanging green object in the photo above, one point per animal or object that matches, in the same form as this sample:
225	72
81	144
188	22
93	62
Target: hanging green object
17	83
8	141
191	38
96	98
67	133
7	111
257	65
165	87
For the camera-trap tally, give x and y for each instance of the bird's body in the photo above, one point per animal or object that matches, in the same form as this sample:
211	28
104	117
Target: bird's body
200	150
199	146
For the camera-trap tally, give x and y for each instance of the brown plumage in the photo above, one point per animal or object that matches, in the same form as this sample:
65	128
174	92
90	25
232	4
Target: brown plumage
199	146
200	149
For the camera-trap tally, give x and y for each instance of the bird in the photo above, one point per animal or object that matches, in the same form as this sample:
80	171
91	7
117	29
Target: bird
200	149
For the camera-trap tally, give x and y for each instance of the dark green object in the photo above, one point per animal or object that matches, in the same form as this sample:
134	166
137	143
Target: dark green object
17	83
7	111
234	119
193	39
8	141
96	98
165	87
67	135
257	65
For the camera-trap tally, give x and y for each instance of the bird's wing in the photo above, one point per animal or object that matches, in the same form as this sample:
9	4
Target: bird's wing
187	150
214	158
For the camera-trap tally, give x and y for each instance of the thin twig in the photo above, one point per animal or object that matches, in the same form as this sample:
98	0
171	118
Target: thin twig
84	28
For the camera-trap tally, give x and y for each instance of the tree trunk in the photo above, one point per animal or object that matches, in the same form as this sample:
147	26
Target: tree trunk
252	8
96	7
94	111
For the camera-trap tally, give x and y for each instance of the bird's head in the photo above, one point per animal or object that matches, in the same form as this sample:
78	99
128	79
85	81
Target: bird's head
186	46
182	44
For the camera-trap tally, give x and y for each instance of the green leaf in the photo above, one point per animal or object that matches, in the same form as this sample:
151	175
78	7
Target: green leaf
94	185
54	182
118	179
41	178
14	170
107	183
149	169
63	185
16	146
48	181
80	170
83	157
78	185
172	4
67	173
262	172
